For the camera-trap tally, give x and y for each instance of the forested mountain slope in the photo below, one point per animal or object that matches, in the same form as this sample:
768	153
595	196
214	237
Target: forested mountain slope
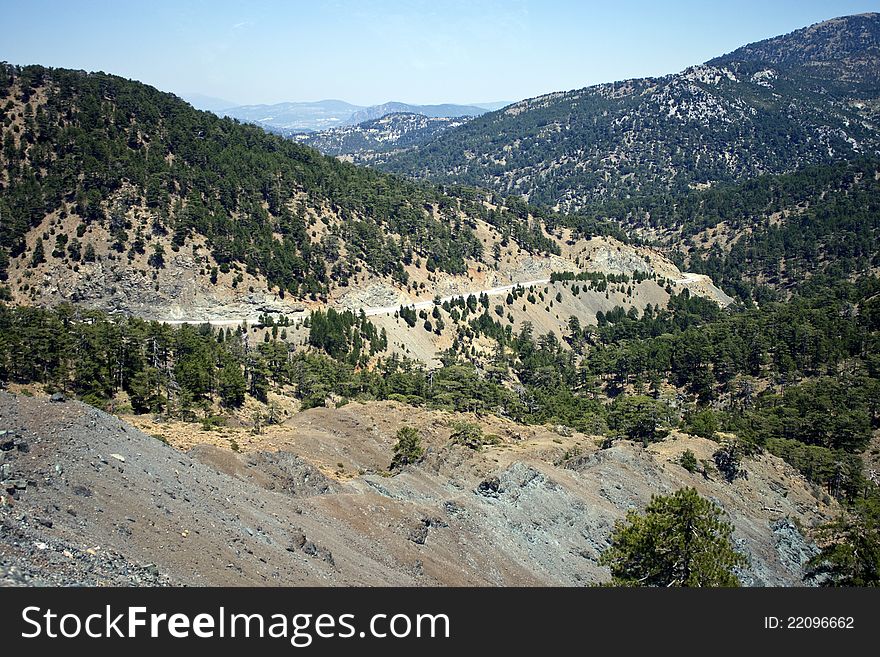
842	49
770	232
109	184
806	98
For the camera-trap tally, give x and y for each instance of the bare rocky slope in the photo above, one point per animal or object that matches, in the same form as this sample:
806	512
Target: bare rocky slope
89	499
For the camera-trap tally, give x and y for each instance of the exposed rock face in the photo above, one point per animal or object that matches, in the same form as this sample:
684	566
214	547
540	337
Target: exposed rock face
103	503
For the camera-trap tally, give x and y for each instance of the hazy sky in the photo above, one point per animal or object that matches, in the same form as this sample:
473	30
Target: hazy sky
374	51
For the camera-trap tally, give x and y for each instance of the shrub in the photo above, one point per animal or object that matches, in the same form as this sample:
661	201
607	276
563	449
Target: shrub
468	435
728	460
408	448
688	461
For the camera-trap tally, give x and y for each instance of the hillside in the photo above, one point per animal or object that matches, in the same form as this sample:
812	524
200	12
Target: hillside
750	113
843	50
312	503
767	235
126	199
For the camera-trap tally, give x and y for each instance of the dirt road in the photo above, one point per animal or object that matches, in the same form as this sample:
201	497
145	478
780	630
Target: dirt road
418	305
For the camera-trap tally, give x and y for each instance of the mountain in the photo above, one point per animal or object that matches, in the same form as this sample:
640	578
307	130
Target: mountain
120	197
286	118
806	98
845	49
431	111
468	363
110	183
375	139
291	118
207	103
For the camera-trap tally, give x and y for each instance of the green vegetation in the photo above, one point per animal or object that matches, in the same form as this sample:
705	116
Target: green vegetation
688	461
101	147
653	143
851	552
792	368
470	435
832	227
343	335
728	460
703	422
408	448
679	540
663	136
639	418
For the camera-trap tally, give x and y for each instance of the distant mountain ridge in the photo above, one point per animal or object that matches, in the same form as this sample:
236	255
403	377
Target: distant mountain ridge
297	117
431	111
287	118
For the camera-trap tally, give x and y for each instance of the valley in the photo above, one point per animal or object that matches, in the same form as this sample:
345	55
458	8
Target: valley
443	345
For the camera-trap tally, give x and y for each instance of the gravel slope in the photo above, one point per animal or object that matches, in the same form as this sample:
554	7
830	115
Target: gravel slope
97	502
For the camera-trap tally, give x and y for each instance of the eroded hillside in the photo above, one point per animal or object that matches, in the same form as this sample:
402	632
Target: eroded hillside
98	502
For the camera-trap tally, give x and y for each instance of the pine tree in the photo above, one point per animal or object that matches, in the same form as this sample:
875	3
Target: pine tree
679	540
38	257
638	418
232	385
851	552
408	448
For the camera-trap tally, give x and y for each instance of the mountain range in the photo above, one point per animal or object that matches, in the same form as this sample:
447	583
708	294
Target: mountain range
369	142
295	117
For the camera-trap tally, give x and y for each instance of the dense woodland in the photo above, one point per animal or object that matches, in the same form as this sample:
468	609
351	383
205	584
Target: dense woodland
626	140
802	99
72	141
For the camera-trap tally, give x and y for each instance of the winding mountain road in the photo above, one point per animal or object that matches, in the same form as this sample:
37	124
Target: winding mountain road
371	311
418	305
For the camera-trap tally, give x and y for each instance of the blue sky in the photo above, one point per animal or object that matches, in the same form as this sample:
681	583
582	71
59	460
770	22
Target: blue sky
374	51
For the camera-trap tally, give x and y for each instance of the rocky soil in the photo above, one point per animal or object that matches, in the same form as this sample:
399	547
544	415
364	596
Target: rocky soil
89	499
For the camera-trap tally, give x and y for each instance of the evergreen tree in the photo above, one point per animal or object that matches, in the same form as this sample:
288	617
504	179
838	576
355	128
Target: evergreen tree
851	552
408	448
679	540
231	385
639	418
